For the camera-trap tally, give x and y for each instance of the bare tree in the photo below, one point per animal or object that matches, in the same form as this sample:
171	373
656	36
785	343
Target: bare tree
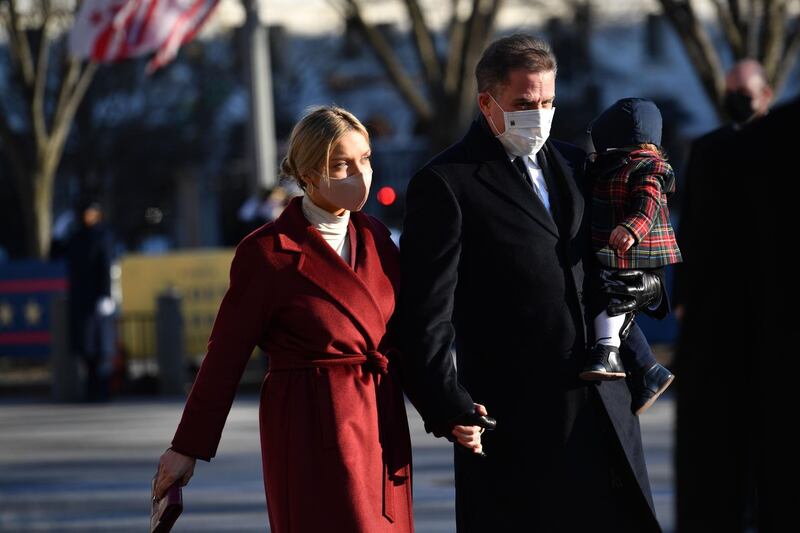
444	104
758	29
34	149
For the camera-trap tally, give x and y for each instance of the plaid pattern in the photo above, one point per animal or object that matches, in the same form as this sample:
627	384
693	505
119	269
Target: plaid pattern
633	191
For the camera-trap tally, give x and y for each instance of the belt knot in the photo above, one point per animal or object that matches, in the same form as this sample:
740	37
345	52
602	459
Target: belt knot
377	361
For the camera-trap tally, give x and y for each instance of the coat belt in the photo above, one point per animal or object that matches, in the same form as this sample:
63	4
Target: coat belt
396	456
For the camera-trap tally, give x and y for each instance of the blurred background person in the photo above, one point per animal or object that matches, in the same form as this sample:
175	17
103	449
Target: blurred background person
266	205
732	406
88	254
712	174
748	95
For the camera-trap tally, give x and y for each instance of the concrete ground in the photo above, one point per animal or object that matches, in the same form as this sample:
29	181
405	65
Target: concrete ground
69	467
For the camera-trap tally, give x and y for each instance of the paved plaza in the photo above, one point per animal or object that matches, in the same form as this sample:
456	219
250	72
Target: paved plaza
68	467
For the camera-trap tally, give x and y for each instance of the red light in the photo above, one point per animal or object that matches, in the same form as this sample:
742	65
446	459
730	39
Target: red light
386	196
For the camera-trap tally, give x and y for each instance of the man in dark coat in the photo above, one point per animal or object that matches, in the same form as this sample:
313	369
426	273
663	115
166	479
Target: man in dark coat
715	180
748	96
492	252
734	453
92	330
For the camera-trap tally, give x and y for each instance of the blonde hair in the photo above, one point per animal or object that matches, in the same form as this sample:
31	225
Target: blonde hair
312	139
654	148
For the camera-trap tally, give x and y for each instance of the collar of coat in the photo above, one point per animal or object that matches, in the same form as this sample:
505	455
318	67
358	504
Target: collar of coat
612	161
361	292
499	174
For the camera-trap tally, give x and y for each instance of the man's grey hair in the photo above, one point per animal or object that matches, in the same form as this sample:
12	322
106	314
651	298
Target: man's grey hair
518	51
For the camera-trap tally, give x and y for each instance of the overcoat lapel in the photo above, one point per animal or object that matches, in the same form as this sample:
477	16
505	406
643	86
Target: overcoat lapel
376	276
501	176
322	266
498	173
568	196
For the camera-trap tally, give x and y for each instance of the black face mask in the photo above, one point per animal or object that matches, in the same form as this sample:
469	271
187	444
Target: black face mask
739	106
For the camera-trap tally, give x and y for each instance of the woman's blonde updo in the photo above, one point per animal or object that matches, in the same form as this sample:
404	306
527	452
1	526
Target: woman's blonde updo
313	138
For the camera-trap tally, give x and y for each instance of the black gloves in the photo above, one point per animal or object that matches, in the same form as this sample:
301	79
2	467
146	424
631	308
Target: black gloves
641	289
474	419
467	419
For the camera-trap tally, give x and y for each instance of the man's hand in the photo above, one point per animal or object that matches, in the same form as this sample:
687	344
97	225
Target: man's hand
640	290
468	428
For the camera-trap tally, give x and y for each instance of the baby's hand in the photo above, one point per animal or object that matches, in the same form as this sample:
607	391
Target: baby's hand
621	239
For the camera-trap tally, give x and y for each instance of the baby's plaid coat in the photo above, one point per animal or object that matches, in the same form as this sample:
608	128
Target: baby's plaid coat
631	189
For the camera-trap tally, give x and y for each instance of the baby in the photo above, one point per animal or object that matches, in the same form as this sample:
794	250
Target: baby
631	181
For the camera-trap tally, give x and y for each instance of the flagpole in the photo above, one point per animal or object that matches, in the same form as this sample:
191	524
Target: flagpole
261	119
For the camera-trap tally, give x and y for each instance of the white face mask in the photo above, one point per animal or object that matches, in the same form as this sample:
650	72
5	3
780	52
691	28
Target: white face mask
349	193
526	131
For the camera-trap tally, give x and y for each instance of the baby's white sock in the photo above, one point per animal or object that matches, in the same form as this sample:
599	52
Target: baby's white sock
607	328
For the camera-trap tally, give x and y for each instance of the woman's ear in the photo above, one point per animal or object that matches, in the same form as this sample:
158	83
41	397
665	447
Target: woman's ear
311	177
305	177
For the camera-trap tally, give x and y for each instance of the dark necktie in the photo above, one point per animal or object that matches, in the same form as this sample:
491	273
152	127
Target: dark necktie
521	165
519	162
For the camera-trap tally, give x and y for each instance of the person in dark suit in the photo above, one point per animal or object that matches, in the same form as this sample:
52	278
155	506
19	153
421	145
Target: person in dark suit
492	257
88	254
715	179
748	96
736	343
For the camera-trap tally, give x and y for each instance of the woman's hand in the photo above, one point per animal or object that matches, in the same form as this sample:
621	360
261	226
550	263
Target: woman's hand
621	239
470	436
172	467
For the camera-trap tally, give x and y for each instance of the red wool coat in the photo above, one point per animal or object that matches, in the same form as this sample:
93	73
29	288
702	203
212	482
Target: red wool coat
336	451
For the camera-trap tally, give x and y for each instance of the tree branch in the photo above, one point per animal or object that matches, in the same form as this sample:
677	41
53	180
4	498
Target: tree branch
68	82
773	37
481	24
731	27
21	50
391	63
40	82
734	8
426	49
457	31
66	114
753	30
698	46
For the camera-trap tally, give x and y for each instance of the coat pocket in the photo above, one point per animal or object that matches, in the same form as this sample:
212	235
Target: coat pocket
326	421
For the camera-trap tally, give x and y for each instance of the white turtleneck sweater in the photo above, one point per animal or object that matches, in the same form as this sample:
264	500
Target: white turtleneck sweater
333	228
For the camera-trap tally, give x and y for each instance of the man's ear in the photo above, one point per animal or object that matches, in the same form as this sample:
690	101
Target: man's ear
484	103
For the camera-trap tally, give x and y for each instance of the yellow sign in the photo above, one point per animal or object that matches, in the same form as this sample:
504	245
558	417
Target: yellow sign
201	277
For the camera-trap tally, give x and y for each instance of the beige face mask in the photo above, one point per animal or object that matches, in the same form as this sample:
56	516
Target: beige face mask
349	193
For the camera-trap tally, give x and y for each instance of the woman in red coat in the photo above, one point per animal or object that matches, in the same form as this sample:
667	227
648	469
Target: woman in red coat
315	290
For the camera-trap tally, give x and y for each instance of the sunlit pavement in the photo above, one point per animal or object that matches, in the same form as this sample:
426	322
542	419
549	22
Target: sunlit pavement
88	468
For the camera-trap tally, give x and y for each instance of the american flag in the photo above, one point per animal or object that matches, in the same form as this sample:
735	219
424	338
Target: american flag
107	31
